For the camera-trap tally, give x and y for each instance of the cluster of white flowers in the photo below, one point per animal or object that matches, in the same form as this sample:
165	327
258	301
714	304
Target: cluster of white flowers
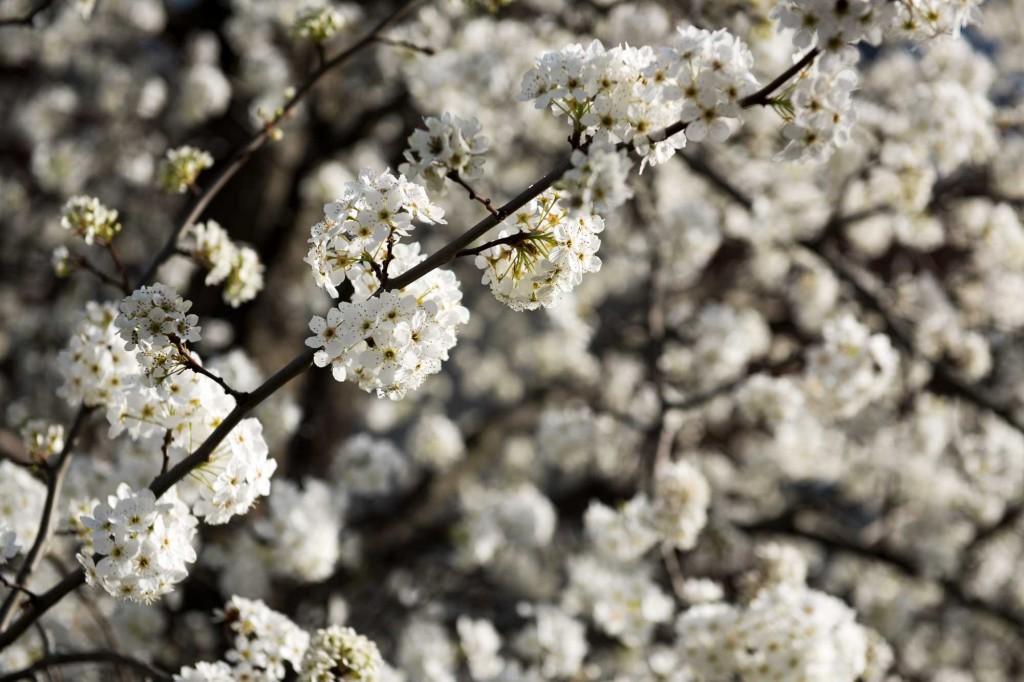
95	365
302	529
142	545
235	475
449	144
622	600
632	94
364	465
184	408
42	439
555	640
851	369
358	229
181	166
820	113
319	22
548	252
89	219
22	503
392	342
788	631
154	321
725	340
435	440
235	265
675	516
341	653
501	520
597	181
264	641
834	27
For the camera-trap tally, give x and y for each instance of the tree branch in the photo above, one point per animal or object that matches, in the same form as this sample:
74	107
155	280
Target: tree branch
85	657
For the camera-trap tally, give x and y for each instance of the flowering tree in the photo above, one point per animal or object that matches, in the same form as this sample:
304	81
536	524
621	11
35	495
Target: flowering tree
512	340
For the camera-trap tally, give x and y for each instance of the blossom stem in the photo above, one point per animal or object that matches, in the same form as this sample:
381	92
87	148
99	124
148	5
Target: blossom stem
473	195
395	42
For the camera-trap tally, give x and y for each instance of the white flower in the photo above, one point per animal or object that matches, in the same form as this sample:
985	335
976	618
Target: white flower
392	342
143	546
236	473
448	145
181	167
238	267
90	220
373	214
547	256
42	439
435	441
340	653
205	672
265	640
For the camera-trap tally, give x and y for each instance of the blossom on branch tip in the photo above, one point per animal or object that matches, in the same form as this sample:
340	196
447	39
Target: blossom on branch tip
181	167
449	144
90	220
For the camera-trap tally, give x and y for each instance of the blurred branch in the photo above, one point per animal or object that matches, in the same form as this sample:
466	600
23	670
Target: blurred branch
787	525
84	657
28	18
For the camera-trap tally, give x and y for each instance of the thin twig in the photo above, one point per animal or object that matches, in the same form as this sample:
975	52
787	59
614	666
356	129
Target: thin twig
510	240
125	281
473	195
396	42
82	263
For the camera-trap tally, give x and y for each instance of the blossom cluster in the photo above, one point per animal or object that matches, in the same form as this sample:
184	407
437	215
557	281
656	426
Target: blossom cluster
390	343
361	228
340	653
544	256
632	95
90	220
154	321
449	144
264	641
787	631
181	167
234	265
138	548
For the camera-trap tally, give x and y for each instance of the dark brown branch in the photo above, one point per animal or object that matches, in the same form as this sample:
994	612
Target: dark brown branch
395	42
510	240
126	286
473	195
85	657
763	96
190	363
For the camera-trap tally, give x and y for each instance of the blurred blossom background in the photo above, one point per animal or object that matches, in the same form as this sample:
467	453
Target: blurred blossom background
775	432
